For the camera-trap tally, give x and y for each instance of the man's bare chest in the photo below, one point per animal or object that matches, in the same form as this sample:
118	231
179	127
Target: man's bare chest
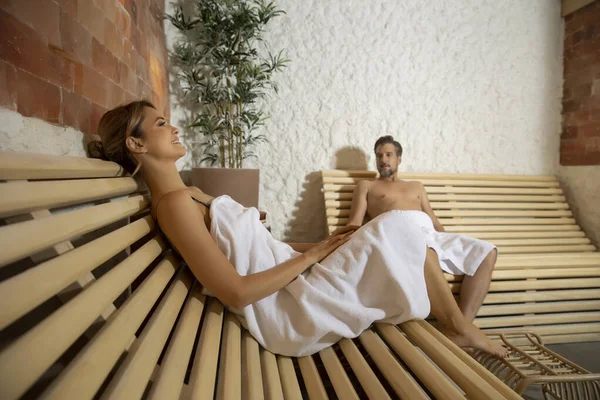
387	197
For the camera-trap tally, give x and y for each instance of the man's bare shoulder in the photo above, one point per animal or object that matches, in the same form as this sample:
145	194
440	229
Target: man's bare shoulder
412	185
364	185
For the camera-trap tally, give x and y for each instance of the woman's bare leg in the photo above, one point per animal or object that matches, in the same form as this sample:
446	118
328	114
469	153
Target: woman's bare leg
445	309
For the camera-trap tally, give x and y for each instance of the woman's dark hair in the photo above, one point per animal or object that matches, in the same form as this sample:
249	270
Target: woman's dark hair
114	128
388	140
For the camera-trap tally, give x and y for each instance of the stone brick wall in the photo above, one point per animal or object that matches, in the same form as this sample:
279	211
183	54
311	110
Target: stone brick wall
68	61
580	140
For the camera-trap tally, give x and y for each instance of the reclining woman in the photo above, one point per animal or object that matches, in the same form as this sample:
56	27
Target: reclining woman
295	299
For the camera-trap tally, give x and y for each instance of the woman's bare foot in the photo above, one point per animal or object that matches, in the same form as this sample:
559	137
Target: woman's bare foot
468	335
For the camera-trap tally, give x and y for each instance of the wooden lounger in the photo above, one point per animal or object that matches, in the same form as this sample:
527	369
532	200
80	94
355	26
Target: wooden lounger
547	277
94	304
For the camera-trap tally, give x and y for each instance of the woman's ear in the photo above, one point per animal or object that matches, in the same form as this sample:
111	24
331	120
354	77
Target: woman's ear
135	145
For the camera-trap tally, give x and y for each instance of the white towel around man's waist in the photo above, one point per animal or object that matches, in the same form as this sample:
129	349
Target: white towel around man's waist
376	276
458	254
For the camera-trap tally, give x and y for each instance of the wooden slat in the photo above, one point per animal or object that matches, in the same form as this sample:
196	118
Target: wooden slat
230	364
20	197
474	386
546	249
453	182
491	199
420	328
349	188
363	372
571	338
334	212
412	175
338	377
312	380
20	165
540	241
26	238
511	286
544	319
548	260
134	374
271	380
549	307
341	221
344	196
498	275
400	380
346	204
31	288
85	374
252	373
435	382
498	206
481	231
204	369
472	229
289	381
546	295
564	329
51	337
531	235
506	221
169	381
75	287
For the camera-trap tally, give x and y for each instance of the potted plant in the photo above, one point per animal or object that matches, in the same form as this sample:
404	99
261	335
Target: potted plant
225	72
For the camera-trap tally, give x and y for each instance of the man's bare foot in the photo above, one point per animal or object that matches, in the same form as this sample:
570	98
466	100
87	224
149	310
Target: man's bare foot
468	335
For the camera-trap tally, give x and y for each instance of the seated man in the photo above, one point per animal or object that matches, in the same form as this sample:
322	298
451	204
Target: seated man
458	254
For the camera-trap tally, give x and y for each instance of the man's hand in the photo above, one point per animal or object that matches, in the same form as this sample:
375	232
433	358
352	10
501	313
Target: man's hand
344	229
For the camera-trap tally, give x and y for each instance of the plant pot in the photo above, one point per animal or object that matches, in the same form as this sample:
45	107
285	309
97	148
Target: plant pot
239	184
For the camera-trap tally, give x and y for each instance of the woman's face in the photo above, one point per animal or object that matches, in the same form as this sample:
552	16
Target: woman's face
160	139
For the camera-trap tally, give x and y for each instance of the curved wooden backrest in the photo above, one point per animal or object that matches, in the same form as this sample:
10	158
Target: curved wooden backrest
96	305
547	277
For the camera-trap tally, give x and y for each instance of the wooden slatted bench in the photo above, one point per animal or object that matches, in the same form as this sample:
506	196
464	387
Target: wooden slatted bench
95	305
547	277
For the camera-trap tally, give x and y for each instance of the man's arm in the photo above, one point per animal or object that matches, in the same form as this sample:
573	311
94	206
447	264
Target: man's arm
358	209
426	207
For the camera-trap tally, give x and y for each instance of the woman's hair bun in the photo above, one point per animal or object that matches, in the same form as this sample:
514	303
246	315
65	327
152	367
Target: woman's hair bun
96	150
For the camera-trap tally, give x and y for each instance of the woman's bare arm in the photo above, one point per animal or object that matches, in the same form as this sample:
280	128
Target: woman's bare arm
183	223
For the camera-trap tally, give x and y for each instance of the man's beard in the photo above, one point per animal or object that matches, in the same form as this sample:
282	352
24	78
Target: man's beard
386	173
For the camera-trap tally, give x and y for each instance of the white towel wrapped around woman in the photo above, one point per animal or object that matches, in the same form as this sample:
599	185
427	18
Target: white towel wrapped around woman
376	276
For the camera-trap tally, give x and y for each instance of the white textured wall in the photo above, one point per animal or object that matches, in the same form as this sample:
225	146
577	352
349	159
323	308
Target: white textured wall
464	85
582	188
18	133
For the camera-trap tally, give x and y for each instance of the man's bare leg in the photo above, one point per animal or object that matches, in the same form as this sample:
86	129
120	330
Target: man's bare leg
475	288
444	308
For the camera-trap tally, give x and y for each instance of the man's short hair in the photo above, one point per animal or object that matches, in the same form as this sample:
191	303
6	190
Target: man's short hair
388	140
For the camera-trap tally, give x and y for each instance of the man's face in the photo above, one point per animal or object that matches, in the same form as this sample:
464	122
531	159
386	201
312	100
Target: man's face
386	159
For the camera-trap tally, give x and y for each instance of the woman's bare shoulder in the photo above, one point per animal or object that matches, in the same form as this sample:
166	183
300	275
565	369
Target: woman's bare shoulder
171	200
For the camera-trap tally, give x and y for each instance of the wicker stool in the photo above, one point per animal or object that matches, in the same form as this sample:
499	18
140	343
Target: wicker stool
530	362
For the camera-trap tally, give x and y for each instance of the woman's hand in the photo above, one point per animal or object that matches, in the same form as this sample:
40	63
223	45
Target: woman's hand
324	248
345	229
